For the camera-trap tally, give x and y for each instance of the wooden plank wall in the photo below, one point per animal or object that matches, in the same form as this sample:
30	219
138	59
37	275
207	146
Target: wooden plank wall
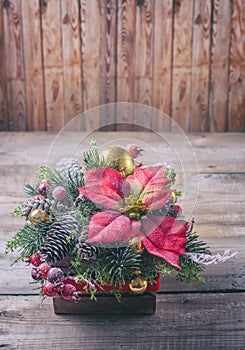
183	57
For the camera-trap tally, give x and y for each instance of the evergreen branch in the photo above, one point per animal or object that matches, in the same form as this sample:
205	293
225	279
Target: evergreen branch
28	239
31	190
92	158
190	271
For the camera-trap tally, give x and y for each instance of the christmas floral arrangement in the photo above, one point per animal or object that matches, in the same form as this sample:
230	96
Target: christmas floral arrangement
106	224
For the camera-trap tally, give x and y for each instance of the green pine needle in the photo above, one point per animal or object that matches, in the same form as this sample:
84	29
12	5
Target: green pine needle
28	239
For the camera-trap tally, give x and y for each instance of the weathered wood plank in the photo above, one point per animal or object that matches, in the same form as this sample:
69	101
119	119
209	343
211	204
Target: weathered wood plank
221	28
126	61
33	65
195	321
200	66
53	65
71	53
90	48
181	81
16	96
237	69
215	152
108	47
163	21
144	61
3	78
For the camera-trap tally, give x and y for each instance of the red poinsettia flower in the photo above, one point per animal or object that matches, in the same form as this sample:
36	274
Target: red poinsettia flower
129	204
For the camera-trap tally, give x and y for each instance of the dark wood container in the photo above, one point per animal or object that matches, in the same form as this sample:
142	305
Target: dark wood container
144	304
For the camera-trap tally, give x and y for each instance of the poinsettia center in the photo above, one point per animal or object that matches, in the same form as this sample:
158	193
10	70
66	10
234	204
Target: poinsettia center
134	208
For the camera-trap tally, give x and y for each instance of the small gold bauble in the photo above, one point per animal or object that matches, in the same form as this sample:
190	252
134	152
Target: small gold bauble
136	245
138	285
119	157
37	215
174	197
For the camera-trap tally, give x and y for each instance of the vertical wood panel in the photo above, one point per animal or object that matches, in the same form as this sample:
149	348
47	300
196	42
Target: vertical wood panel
126	61
237	68
52	60
200	66
162	62
144	59
33	63
3	84
71	61
14	66
90	30
181	83
183	57
108	42
220	65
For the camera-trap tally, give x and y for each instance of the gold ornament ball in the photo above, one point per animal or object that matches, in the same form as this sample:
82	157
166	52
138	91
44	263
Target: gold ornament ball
119	157
138	285
37	215
136	245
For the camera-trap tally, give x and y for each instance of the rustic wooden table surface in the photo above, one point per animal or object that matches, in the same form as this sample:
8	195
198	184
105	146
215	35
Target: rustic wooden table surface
199	316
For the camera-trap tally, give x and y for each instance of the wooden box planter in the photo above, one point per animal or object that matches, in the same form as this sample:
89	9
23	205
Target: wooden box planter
144	304
106	303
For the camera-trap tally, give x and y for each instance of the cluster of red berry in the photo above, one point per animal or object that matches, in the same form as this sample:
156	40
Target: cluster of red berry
53	278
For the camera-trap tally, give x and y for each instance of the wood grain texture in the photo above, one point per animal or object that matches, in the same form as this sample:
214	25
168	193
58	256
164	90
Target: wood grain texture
163	22
237	68
53	65
34	84
90	40
108	47
188	321
107	304
3	82
219	84
71	53
126	61
181	75
14	65
200	66
144	60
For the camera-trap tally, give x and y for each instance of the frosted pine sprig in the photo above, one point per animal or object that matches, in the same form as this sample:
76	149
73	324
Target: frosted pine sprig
207	259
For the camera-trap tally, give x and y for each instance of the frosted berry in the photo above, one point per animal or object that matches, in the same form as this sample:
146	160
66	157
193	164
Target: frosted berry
134	150
55	275
69	292
35	274
59	193
49	289
42	189
35	259
43	270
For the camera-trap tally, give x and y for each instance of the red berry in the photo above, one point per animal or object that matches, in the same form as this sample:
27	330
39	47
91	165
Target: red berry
43	270
37	198
49	290
69	291
35	259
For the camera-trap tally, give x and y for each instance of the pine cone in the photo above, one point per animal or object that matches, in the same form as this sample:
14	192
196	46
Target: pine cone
87	251
30	204
59	243
68	168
